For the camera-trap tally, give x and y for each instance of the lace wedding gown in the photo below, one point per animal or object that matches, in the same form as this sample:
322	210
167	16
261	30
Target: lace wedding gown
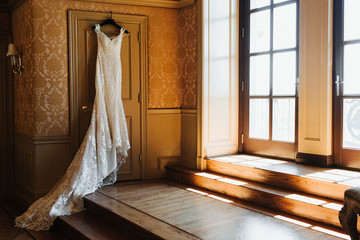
102	151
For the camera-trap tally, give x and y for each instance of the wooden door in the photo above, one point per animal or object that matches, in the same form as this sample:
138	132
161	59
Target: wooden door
347	84
84	62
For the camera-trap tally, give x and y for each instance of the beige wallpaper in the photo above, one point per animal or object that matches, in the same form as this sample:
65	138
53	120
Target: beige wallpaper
40	29
23	88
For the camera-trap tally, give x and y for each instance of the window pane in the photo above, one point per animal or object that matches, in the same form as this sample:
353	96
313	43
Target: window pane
285	27
351	123
259	3
259	118
284	120
260	31
351	69
351	19
260	75
284	74
280	1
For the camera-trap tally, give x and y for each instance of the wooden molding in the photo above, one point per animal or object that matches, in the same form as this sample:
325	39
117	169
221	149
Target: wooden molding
314	160
51	140
43	139
188	111
163	111
149	3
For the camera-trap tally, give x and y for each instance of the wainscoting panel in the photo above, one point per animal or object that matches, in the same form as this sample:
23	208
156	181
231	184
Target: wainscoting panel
163	141
39	163
188	138
24	168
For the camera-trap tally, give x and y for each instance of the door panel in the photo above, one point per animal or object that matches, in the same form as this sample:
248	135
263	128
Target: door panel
130	57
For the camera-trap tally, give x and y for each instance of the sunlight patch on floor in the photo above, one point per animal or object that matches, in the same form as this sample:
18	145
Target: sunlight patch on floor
220	198
316	228
352	182
306	199
286	219
232	181
345	173
225	200
271	161
228	159
327	176
197	191
245	157
255	163
222	179
334	206
330	232
208	175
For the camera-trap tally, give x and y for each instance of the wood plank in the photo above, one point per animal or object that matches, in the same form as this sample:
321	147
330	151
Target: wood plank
280	179
12	208
155	226
84	225
8	230
198	215
208	218
251	193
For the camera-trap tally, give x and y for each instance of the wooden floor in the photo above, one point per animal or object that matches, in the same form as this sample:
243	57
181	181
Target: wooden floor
9	209
206	216
170	210
334	175
7	228
199	213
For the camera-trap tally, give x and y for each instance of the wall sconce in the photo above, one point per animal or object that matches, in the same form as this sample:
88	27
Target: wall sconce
16	63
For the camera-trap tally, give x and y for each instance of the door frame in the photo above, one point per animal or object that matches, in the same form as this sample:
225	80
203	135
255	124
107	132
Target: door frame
343	157
337	69
6	120
73	17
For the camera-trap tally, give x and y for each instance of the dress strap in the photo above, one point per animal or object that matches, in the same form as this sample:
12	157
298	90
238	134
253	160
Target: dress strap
122	31
97	28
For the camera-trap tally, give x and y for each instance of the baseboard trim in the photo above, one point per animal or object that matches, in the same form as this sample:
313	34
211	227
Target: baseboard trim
315	160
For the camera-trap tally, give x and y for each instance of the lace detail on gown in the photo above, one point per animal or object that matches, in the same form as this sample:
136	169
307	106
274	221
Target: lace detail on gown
103	150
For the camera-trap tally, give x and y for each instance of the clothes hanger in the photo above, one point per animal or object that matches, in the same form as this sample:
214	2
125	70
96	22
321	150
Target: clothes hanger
111	22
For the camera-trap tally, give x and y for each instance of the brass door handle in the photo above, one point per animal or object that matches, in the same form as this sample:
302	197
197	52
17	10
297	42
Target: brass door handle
85	108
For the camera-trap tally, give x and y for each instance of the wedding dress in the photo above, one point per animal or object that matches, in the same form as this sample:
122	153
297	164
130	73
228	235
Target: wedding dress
102	151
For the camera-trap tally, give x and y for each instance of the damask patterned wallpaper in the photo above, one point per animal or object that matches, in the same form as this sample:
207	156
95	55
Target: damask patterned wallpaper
40	31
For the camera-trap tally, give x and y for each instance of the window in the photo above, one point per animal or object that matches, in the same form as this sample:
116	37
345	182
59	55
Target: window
271	67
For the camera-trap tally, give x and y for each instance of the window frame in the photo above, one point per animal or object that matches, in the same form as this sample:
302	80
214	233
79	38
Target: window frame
289	151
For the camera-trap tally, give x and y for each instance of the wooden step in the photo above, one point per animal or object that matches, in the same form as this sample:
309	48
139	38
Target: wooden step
123	215
287	176
85	225
288	201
